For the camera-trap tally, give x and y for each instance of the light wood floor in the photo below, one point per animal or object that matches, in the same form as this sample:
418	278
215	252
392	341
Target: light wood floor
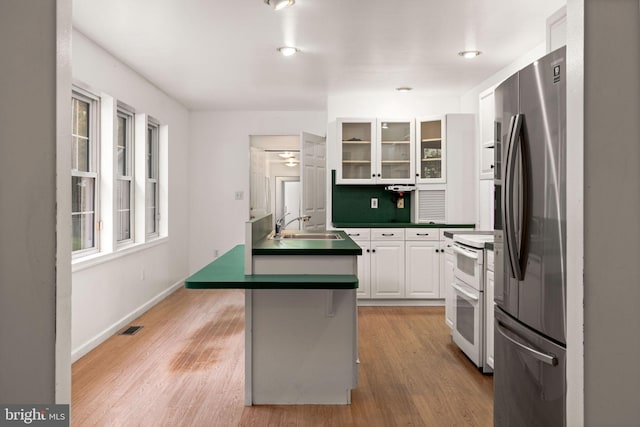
186	368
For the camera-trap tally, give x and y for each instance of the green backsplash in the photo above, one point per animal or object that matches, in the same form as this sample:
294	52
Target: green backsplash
352	203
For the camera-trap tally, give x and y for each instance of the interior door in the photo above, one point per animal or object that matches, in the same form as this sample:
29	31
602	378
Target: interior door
313	177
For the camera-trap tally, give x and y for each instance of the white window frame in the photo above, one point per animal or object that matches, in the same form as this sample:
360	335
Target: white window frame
94	164
152	175
127	114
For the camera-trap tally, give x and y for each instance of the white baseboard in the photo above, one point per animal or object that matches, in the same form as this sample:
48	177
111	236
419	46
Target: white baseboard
111	330
401	302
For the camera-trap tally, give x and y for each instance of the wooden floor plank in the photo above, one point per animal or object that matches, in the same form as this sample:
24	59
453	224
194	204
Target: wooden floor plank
186	368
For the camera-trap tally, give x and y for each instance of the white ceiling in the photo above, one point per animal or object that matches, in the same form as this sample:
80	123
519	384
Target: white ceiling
221	55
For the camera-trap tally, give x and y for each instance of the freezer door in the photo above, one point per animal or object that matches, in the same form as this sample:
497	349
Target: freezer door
542	289
506	104
529	376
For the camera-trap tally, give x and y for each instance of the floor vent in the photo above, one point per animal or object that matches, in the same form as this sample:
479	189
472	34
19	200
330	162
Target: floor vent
131	330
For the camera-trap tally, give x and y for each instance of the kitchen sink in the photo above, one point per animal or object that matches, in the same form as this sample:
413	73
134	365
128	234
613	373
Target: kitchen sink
310	236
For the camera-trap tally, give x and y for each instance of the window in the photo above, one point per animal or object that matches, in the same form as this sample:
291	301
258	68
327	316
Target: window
115	176
152	216
124	177
84	172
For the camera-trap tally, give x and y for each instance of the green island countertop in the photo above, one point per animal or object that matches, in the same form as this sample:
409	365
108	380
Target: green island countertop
397	225
346	246
227	272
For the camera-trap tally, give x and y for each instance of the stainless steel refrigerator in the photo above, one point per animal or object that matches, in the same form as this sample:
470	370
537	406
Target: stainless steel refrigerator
530	245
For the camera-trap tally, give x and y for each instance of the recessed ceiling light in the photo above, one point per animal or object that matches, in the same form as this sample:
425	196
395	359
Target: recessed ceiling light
469	54
280	4
288	50
404	89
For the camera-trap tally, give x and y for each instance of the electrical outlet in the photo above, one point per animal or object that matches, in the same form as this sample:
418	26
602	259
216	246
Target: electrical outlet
400	203
374	203
215	253
239	195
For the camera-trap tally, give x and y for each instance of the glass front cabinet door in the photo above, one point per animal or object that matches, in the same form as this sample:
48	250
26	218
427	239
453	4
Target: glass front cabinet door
395	152
357	139
431	151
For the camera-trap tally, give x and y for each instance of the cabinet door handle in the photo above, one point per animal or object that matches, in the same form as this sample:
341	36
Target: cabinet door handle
388	234
417	174
373	175
354	234
378	174
491	166
422	234
368	250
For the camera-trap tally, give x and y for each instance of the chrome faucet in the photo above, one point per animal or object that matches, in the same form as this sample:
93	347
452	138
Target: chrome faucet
280	224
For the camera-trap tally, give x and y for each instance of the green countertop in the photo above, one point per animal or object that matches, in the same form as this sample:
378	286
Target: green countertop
227	272
397	225
307	247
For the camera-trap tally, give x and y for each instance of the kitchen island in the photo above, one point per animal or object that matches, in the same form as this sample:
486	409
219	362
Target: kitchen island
300	316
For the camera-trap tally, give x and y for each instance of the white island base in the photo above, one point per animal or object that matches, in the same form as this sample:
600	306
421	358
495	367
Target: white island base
300	346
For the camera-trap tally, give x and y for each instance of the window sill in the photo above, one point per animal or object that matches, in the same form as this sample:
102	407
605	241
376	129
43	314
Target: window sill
92	260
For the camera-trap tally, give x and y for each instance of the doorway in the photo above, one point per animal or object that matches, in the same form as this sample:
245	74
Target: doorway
287	200
275	160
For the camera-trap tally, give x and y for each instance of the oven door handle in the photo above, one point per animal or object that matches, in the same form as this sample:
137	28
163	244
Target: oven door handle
462	252
465	293
549	359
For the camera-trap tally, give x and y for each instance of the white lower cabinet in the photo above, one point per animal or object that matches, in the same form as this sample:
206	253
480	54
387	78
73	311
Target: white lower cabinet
422	269
399	263
364	270
387	269
362	237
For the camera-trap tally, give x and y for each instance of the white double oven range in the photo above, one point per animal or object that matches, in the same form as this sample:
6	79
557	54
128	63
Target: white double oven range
470	308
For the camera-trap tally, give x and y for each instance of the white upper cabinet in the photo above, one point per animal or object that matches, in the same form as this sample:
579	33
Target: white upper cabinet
357	152
431	151
395	152
376	151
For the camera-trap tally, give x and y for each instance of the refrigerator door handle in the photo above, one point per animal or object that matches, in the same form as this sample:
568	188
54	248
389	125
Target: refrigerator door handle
517	256
549	359
507	199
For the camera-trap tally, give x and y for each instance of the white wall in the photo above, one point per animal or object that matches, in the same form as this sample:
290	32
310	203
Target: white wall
110	294
219	166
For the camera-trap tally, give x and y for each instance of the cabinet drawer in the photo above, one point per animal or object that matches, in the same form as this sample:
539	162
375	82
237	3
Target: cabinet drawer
490	260
358	234
422	233
387	234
